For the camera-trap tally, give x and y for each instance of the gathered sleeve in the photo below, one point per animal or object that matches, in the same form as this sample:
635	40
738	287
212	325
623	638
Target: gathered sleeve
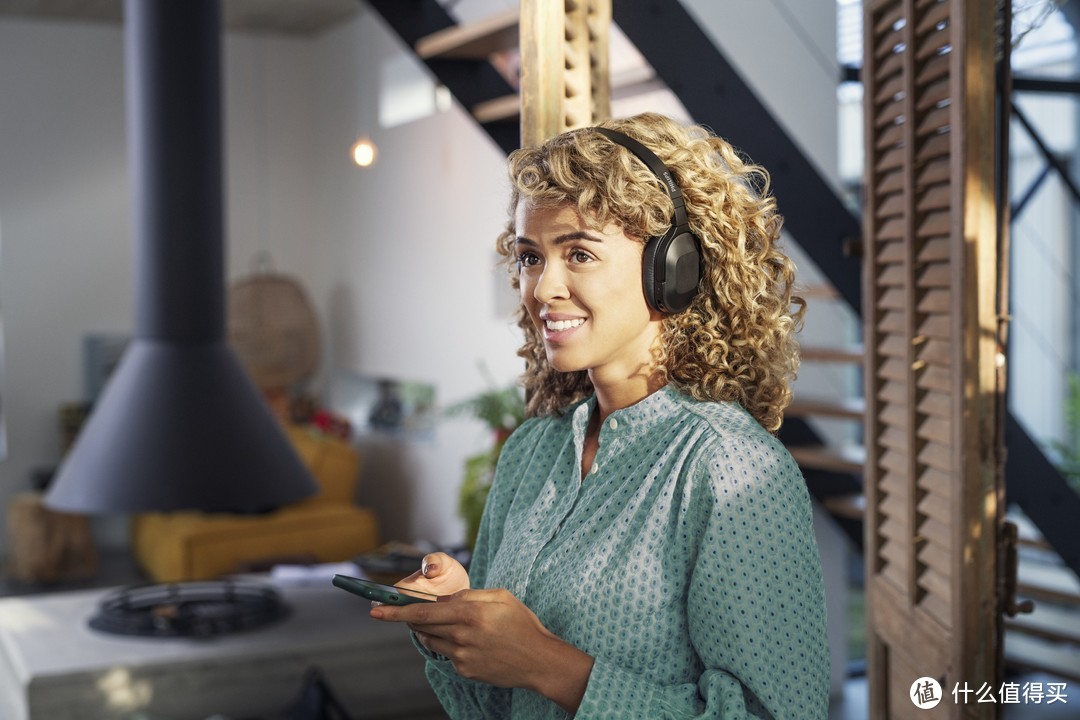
755	601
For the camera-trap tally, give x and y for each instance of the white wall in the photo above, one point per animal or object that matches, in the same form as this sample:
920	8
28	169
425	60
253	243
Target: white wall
407	282
64	223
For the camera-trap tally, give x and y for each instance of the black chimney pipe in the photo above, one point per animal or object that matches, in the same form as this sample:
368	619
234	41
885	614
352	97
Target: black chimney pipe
180	425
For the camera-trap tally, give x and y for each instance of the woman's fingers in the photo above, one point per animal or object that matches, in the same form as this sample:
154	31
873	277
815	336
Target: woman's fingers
436	644
419	614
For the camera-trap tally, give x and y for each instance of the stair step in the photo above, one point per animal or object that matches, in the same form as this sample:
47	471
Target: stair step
1028	534
848	506
850	460
1048	622
507	107
818	292
853	354
1029	653
1055	583
846	408
472	41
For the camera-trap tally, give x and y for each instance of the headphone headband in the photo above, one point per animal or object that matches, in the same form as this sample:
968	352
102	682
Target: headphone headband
659	169
671	263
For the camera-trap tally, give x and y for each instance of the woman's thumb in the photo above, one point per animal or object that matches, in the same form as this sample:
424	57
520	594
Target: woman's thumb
433	564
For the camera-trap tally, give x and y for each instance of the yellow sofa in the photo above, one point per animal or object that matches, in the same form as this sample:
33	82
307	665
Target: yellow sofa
330	527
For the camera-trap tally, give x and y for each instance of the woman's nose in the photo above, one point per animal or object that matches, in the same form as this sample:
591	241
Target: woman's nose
551	285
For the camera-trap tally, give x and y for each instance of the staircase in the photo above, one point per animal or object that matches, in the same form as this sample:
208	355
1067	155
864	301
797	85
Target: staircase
1047	640
471	60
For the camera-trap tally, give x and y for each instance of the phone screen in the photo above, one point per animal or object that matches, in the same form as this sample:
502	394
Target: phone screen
389	594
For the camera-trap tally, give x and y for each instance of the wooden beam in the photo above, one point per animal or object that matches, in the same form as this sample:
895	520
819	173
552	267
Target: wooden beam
506	107
474	41
565	81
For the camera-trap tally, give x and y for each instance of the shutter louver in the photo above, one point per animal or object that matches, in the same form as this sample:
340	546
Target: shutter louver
921	367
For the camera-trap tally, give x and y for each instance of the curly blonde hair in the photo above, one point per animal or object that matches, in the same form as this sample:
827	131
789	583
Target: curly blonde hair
736	341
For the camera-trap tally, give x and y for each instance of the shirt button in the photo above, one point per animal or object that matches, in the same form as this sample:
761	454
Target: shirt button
595	468
613	423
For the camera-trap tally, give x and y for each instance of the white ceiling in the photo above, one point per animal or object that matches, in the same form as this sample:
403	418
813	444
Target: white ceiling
633	87
293	17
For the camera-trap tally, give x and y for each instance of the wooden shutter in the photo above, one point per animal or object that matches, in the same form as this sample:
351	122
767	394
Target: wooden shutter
565	80
931	277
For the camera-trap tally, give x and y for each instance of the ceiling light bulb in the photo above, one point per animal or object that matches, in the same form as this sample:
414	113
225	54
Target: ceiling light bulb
364	152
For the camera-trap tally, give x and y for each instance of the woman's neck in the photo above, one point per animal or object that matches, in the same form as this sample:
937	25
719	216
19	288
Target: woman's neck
612	395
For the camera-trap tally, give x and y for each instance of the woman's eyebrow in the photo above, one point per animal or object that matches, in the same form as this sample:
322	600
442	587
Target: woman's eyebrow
561	239
577	235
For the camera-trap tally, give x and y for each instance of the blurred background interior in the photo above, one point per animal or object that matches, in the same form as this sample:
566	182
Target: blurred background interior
362	198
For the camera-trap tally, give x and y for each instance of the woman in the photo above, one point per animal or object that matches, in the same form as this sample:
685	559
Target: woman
647	548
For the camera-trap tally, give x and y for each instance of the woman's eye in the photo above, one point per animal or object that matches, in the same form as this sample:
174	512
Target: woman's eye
580	256
527	259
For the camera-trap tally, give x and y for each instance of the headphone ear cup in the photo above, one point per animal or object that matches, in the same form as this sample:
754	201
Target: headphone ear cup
682	271
671	270
649	264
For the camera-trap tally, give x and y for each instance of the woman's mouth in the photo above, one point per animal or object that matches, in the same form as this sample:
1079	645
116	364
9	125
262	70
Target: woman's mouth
561	329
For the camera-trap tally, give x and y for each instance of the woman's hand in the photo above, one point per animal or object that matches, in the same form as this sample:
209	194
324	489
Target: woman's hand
489	635
439	574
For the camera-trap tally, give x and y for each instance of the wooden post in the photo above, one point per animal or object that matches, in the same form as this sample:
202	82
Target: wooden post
565	81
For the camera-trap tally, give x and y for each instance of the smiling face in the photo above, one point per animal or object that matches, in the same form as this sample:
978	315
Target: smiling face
582	290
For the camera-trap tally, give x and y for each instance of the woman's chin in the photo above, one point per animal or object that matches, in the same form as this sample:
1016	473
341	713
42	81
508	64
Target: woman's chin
561	363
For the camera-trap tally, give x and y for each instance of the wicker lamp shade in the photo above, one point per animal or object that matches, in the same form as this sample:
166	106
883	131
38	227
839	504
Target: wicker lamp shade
273	330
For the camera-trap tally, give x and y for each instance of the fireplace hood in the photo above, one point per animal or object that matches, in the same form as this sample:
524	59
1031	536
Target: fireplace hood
179	425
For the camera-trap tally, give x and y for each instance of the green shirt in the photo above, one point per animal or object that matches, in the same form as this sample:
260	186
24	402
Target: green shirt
685	563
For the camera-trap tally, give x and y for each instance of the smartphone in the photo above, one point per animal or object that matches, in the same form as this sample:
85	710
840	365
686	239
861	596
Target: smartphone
388	594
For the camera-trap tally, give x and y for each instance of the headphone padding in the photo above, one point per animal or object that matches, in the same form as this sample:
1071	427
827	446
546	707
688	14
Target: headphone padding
649	262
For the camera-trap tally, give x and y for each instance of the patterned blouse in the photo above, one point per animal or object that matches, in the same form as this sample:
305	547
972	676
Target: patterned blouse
684	563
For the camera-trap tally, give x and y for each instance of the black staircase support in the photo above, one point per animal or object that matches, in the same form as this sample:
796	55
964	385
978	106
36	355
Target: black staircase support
470	81
1042	492
710	88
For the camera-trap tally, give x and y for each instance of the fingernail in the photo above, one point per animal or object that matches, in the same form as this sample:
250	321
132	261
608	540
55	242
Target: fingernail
430	568
376	613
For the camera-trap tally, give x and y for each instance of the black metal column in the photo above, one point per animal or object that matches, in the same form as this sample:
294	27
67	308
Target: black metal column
174	116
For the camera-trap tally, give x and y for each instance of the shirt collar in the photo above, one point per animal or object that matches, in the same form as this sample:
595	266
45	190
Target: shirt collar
656	408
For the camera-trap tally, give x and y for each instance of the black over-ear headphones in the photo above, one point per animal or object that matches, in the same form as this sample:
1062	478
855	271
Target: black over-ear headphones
671	267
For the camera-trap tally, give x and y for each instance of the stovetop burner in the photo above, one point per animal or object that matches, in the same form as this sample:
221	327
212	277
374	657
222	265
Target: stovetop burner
189	609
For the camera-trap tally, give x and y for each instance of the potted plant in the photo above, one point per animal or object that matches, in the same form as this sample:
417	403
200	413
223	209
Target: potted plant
1068	452
502	409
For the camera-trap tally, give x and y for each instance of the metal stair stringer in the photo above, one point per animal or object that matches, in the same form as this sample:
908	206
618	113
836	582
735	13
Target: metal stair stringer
714	93
472	82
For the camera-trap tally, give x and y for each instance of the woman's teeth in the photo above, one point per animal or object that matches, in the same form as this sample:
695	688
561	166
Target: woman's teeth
558	325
